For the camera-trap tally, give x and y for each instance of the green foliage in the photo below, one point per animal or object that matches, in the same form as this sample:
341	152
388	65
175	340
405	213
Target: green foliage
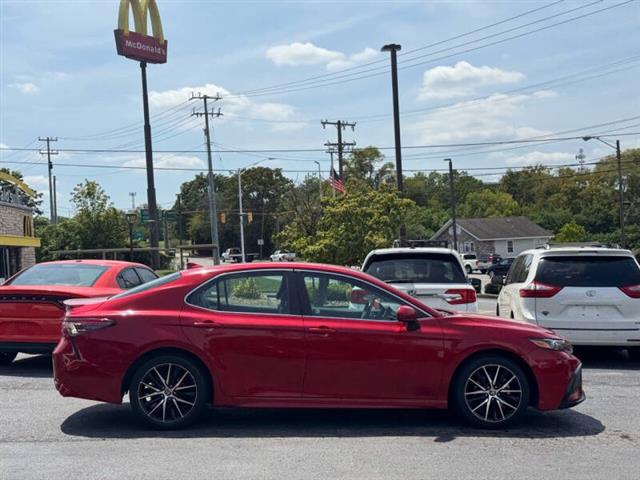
246	288
66	235
333	292
571	232
487	203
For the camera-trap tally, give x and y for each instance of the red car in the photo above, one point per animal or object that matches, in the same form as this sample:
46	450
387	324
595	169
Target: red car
31	308
292	335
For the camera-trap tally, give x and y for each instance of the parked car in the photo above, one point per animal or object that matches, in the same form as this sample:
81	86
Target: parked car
31	302
234	255
283	256
500	268
484	262
470	262
589	295
181	342
435	276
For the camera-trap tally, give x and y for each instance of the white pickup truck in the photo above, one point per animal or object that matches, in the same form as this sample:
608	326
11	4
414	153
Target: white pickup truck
283	256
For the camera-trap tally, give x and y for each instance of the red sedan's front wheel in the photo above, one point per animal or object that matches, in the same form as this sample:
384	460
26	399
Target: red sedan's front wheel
168	392
491	391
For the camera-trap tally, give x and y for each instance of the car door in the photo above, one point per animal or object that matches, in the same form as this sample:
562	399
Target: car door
507	299
248	325
357	350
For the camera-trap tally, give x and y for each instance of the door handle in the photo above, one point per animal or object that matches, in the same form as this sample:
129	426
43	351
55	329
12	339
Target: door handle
322	330
205	324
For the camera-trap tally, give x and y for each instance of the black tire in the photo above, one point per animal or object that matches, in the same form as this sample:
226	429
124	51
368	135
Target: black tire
468	269
149	389
502	409
7	357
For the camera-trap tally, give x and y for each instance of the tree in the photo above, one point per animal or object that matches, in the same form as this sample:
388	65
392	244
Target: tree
571	232
351	225
361	165
34	202
488	203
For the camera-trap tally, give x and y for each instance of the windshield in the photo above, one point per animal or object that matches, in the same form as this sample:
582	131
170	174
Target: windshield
606	271
416	267
149	285
67	274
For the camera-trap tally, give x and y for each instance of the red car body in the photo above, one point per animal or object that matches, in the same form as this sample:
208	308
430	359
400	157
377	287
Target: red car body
299	360
31	315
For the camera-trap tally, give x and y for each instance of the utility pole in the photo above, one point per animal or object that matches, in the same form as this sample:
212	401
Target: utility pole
340	125
241	215
133	200
393	50
48	153
580	159
453	205
180	230
154	234
213	211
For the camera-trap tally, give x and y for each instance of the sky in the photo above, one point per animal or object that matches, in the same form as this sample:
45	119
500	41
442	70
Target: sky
469	72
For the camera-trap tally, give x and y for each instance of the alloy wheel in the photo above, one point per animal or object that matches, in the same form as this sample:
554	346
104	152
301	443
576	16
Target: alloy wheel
493	393
167	392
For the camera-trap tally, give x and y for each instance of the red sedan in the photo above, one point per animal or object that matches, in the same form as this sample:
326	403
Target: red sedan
31	308
304	335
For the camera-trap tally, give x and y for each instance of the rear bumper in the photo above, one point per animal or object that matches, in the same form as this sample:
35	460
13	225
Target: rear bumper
599	337
27	347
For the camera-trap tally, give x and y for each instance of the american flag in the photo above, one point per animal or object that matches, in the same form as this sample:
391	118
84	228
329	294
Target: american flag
336	182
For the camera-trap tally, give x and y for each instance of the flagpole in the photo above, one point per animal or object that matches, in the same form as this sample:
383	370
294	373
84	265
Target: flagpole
332	170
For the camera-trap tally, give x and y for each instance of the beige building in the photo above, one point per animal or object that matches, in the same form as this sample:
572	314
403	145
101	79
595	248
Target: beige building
17	241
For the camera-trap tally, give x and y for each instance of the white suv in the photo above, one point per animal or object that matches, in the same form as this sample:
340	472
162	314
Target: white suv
434	276
591	296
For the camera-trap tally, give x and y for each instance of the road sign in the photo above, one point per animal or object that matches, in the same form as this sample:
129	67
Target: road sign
260	241
144	215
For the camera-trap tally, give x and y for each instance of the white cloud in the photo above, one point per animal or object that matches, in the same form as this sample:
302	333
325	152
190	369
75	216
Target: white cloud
297	53
26	88
493	118
236	107
536	157
35	181
167	160
463	79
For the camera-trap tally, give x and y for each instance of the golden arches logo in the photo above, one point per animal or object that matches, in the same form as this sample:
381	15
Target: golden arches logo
140	10
18	183
137	44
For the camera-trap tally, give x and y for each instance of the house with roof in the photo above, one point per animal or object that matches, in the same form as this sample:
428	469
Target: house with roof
506	236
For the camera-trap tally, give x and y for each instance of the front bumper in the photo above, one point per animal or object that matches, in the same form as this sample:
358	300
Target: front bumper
574	394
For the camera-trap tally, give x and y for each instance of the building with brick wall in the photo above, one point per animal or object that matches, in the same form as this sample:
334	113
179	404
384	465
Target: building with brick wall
506	236
17	240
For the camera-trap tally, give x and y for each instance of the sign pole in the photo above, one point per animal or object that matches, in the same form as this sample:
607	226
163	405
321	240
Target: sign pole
151	188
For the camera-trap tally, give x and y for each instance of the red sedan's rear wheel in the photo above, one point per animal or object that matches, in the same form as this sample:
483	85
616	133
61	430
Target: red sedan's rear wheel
491	391
7	357
168	392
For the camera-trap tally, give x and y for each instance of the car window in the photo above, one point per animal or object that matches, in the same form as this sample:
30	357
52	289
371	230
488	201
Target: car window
145	274
149	285
525	268
515	271
128	278
416	267
245	293
588	271
469	256
342	297
67	274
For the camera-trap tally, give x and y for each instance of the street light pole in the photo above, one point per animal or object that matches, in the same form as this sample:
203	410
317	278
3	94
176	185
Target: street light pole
241	215
393	49
453	205
616	147
319	179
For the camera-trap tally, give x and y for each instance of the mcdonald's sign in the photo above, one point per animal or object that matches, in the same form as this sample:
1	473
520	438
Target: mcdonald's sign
137	45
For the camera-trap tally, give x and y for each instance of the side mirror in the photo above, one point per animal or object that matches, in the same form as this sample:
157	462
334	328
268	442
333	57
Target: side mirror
409	316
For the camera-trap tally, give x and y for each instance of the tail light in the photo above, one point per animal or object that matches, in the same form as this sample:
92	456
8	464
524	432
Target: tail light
358	296
633	291
459	296
78	326
539	290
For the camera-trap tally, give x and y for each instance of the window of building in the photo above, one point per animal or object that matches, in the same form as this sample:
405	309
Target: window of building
509	246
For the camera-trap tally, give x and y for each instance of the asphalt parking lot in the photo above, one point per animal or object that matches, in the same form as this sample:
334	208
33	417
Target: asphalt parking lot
43	435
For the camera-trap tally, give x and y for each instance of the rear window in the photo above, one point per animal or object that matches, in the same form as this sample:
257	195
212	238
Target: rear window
66	274
469	256
416	267
149	285
588	271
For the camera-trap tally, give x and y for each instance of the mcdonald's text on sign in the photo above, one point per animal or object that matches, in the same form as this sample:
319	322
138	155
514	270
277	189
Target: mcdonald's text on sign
137	45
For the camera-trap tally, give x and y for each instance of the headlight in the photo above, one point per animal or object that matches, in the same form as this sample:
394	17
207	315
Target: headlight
557	344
